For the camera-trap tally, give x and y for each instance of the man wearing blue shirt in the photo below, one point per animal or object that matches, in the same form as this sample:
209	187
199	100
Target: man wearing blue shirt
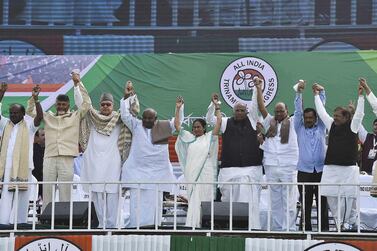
311	133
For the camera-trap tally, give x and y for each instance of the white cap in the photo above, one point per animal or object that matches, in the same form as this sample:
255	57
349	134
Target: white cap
76	71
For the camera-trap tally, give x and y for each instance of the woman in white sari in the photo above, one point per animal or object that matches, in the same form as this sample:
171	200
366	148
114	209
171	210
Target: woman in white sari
197	153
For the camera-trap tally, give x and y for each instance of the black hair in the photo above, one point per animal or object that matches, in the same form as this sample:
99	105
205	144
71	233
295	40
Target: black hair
202	122
62	97
344	111
309	109
374	121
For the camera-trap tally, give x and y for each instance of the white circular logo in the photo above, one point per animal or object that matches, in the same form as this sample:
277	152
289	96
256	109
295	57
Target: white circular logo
332	246
236	83
50	244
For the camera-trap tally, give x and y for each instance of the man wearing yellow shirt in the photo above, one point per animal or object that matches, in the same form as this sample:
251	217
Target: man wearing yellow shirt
62	137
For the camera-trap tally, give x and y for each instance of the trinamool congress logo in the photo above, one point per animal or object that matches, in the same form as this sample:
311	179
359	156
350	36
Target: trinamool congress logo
236	82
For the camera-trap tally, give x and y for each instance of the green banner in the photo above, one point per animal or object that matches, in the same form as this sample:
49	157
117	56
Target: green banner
159	78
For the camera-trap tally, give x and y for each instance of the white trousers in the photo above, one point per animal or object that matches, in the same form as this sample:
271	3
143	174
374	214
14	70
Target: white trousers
243	193
347	209
59	168
8	204
283	198
111	205
147	209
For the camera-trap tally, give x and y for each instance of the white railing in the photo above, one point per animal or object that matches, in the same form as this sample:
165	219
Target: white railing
35	224
239	13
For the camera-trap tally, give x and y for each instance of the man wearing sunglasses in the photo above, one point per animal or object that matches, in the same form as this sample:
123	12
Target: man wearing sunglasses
106	142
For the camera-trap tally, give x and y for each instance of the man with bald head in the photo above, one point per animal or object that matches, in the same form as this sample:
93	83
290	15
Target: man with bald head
16	158
106	142
280	161
241	158
148	161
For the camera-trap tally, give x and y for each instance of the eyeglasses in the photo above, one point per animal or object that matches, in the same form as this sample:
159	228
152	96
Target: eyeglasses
106	104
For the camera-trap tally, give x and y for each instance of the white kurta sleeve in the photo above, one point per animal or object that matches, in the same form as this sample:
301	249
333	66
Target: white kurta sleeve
267	120
322	114
359	115
253	109
211	118
362	133
128	119
77	96
373	102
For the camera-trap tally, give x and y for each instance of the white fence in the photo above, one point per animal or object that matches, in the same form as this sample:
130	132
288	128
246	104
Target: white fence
171	217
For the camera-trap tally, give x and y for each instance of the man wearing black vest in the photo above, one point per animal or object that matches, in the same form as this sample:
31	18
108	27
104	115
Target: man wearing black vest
280	162
241	158
341	156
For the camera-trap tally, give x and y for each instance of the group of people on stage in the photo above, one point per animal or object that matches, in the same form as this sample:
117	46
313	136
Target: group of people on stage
117	146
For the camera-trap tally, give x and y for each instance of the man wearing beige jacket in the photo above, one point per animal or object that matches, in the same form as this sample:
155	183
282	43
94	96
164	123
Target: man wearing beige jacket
62	137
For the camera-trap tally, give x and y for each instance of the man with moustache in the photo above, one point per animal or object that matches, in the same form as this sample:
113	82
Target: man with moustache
311	134
106	142
341	159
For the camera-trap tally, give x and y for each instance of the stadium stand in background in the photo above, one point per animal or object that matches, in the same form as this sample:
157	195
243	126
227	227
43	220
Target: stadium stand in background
160	26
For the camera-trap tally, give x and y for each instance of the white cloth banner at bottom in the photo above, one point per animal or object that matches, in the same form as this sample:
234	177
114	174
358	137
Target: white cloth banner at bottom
264	244
7	243
131	243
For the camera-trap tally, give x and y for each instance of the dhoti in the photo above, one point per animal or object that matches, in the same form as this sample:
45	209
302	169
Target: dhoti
243	193
344	209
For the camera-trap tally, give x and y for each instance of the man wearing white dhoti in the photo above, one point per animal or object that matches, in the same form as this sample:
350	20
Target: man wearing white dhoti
148	161
16	159
280	162
106	142
197	153
341	157
241	158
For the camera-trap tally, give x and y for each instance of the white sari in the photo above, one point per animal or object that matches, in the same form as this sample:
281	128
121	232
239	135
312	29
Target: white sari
198	158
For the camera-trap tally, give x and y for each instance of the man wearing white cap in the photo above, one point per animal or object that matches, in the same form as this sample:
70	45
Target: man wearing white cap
62	138
106	142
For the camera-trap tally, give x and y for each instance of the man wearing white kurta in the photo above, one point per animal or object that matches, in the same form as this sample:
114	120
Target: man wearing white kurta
280	163
16	159
241	158
100	137
341	157
373	103
147	162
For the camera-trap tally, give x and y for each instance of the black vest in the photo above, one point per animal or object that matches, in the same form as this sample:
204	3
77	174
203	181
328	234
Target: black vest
342	148
240	146
367	164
